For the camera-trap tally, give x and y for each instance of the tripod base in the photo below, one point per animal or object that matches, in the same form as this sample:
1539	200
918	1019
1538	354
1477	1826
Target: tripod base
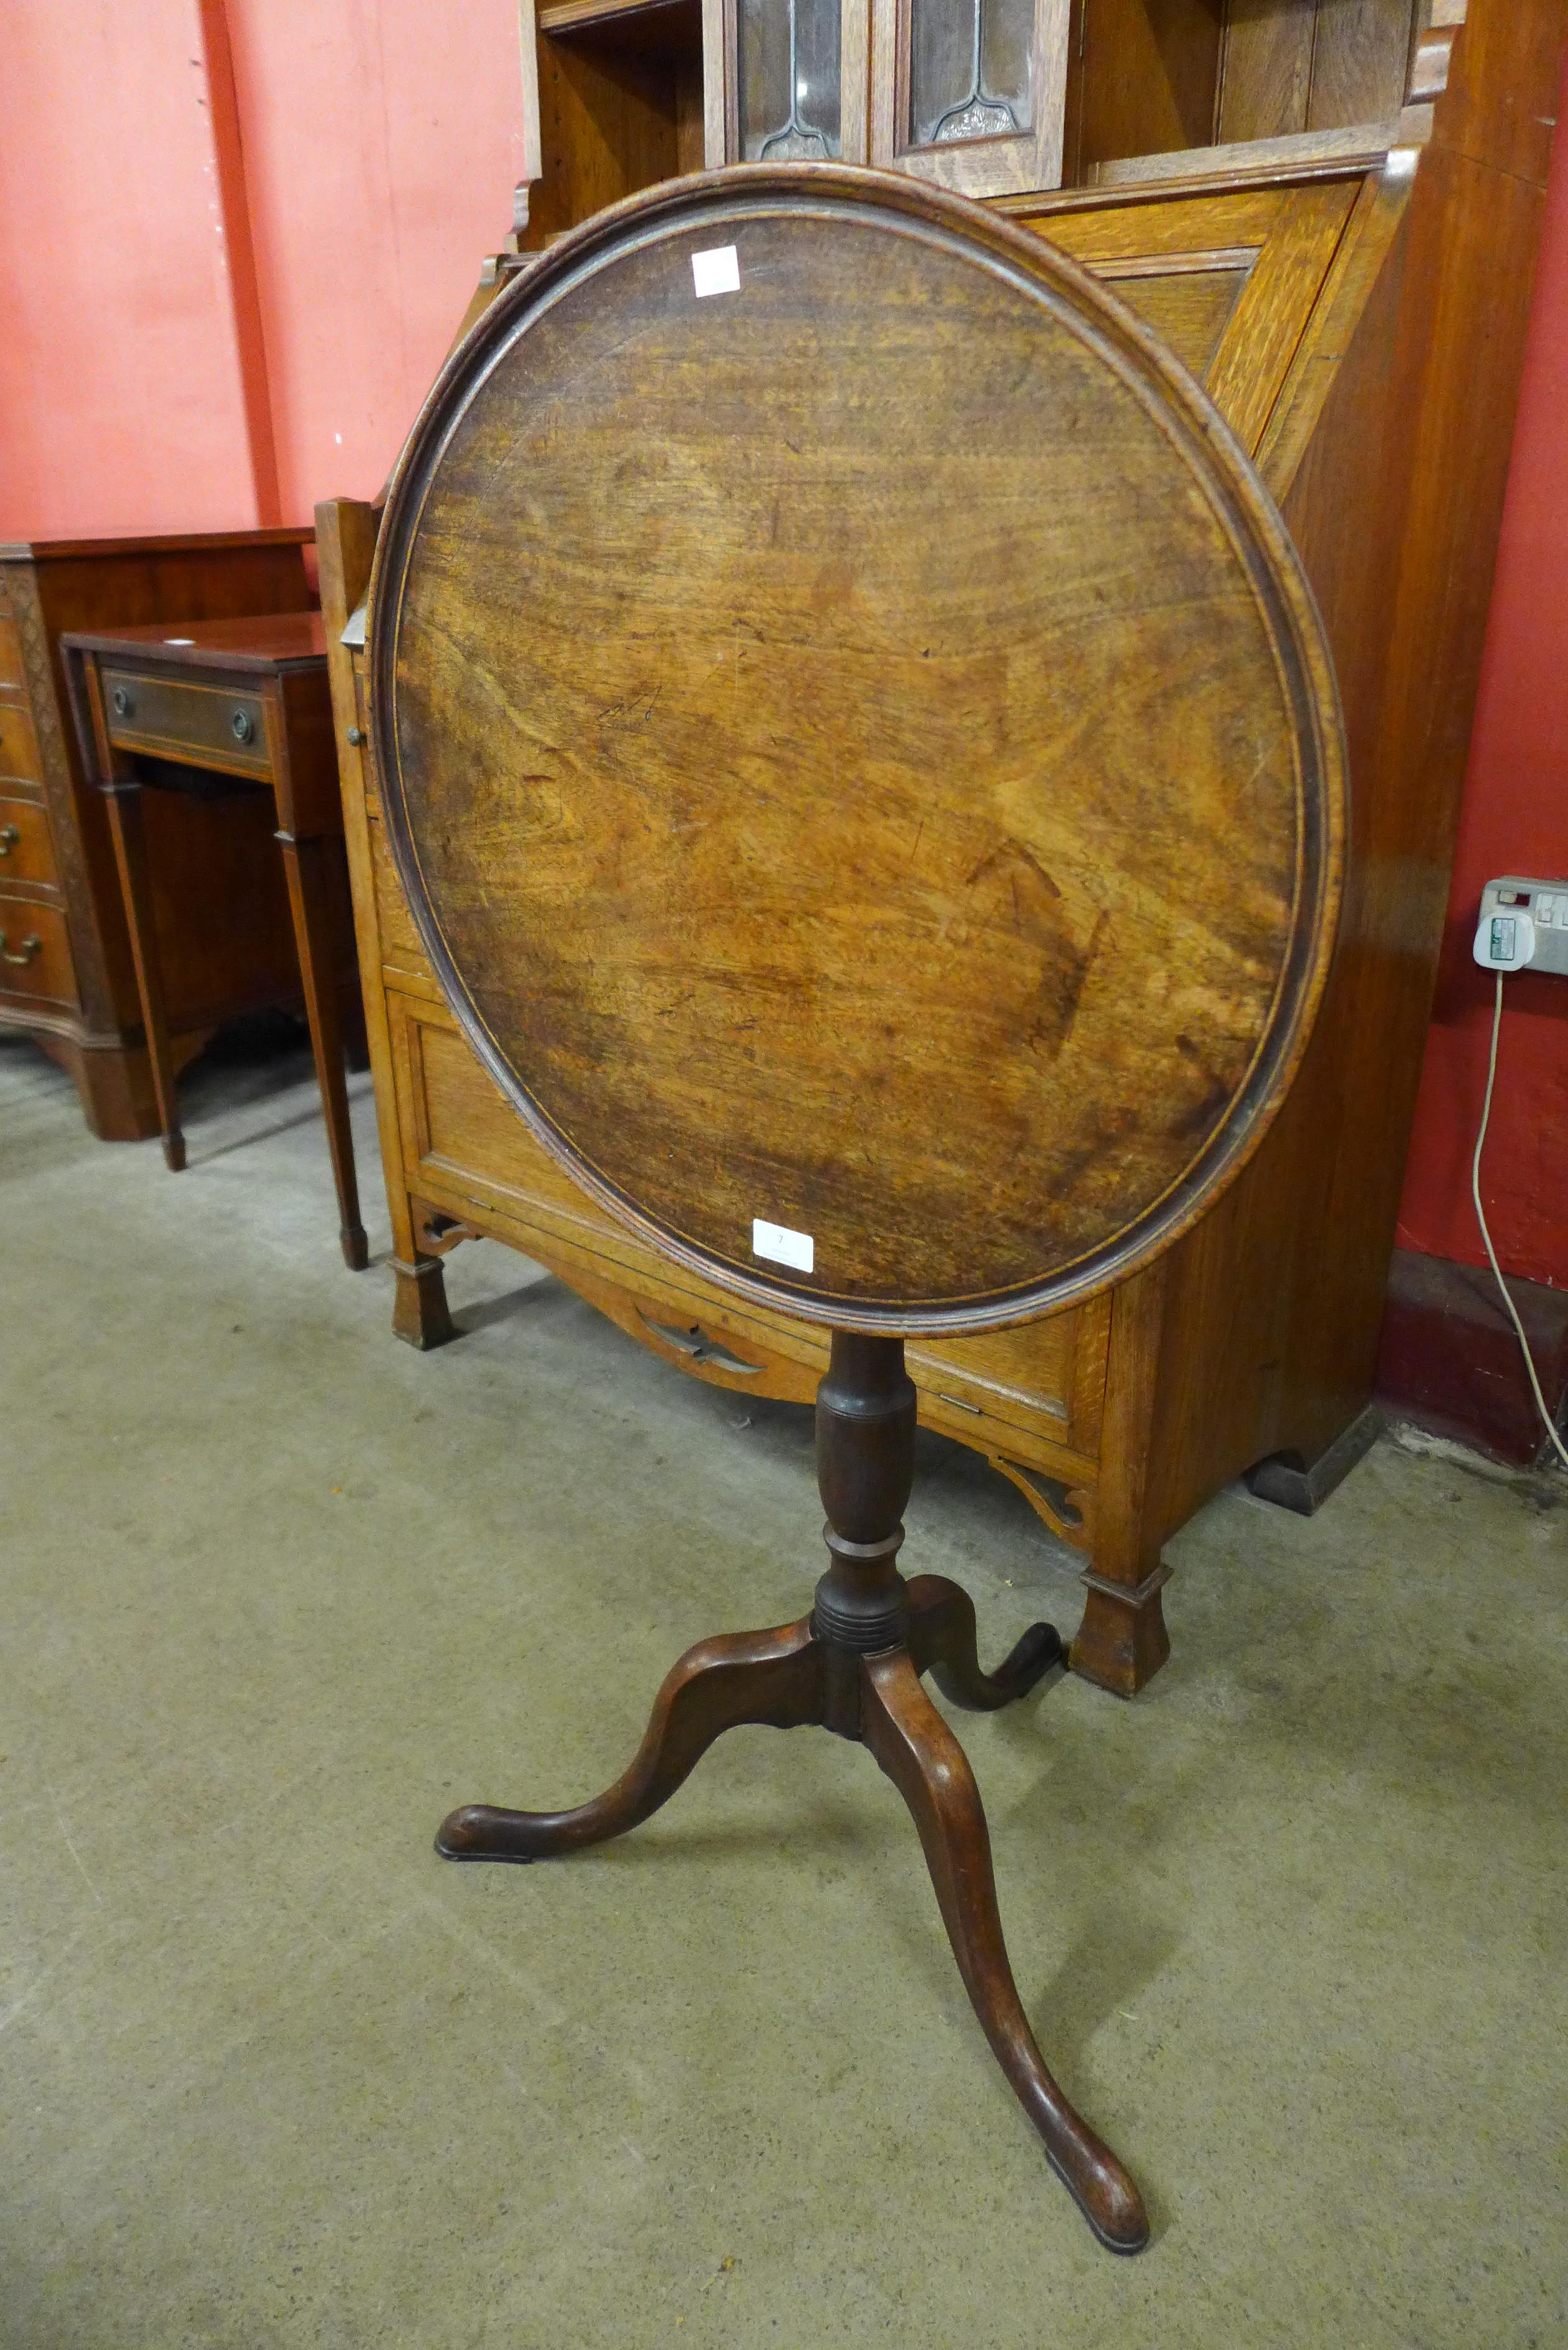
804	1673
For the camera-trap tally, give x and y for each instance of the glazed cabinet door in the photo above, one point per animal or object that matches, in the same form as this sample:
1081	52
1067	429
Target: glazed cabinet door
970	93
787	80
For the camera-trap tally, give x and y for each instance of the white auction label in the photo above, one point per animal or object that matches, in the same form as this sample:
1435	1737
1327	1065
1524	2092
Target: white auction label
718	270
785	1247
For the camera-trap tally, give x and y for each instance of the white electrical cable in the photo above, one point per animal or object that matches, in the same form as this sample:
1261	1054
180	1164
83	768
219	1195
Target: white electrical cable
1547	1422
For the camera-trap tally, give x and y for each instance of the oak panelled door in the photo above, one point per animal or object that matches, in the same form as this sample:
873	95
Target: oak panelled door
863	760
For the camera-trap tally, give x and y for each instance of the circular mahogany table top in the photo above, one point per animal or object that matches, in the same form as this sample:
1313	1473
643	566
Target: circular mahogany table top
858	746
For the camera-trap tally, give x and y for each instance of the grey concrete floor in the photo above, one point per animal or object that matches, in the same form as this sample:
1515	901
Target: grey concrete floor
275	1591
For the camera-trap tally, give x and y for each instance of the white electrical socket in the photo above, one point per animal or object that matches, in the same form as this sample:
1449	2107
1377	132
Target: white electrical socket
1523	925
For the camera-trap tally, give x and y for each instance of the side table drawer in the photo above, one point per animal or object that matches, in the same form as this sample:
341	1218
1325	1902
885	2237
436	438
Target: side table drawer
26	853
35	952
19	744
177	720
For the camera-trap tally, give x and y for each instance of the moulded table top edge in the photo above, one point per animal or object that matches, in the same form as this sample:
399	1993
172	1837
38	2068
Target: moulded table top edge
44	550
1241	515
264	643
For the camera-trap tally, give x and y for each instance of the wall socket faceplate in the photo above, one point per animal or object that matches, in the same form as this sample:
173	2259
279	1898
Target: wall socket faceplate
1523	925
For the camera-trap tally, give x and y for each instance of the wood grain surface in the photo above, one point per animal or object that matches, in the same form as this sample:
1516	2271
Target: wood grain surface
267	642
859	749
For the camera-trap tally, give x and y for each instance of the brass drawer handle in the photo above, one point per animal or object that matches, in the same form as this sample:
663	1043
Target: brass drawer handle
9	836
695	1341
120	702
960	1404
242	726
31	946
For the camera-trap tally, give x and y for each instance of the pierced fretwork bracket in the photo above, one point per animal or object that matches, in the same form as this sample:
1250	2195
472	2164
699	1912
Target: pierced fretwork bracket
1067	1510
437	1233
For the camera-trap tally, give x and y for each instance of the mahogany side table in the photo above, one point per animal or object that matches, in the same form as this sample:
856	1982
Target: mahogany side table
225	708
863	762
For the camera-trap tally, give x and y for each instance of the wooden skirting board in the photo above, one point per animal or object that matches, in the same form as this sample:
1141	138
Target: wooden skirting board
1451	1359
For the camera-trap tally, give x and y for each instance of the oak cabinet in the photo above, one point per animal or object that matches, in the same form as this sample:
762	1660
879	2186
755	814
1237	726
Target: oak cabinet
1329	210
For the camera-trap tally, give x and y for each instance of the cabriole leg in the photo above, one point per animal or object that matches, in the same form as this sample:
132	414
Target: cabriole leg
926	1765
765	1676
943	1643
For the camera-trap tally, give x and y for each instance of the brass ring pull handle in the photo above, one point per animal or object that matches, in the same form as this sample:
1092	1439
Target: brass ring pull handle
120	703
9	836
31	946
242	726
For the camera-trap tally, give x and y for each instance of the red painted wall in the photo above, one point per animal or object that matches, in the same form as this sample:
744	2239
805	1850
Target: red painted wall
382	140
122	404
236	237
1515	820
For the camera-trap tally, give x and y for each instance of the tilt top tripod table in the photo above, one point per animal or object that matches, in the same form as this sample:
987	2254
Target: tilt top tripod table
866	768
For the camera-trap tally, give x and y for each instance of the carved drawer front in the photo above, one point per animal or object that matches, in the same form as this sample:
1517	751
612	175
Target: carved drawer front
176	719
26	853
19	744
35	952
10	650
401	948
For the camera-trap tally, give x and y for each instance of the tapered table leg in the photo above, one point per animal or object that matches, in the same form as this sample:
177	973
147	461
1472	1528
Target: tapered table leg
128	832
313	938
421	1314
761	1677
943	1643
926	1765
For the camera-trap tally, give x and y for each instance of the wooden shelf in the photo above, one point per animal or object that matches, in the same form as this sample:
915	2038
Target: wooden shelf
595	16
1364	143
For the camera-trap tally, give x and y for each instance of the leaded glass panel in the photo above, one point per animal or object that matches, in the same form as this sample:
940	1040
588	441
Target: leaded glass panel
971	69
789	81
